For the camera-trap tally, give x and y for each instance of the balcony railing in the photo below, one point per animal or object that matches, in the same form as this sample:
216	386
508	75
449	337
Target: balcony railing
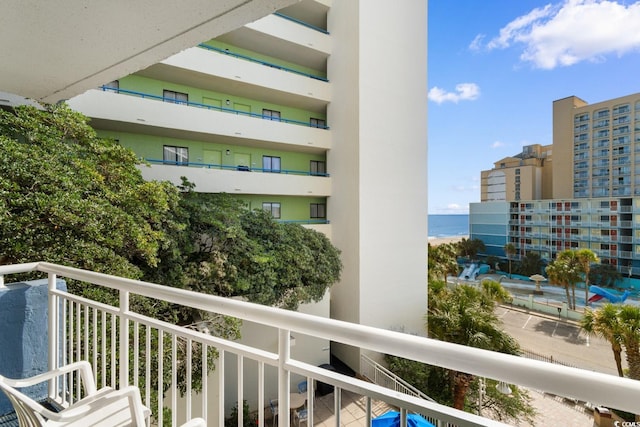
297	21
262	62
235	167
208	107
126	347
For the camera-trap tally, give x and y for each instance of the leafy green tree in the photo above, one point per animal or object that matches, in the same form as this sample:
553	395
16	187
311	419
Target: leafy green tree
620	324
629	316
586	257
465	315
530	264
605	275
230	251
605	323
69	197
510	250
470	247
565	271
442	261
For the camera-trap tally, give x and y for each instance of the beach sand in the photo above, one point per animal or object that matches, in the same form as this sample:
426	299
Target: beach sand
440	240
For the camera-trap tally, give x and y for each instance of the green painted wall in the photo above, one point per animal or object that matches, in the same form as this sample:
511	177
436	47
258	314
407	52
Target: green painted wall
292	208
150	147
156	87
266	58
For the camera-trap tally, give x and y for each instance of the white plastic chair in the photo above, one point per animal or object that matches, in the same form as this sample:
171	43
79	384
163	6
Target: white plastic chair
106	407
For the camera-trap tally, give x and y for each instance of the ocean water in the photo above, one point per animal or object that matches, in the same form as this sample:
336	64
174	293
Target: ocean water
448	225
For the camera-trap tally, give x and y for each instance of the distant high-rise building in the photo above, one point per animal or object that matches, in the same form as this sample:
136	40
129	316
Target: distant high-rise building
583	191
525	176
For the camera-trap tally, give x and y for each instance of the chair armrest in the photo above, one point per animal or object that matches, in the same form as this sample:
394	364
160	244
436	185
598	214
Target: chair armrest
83	367
139	413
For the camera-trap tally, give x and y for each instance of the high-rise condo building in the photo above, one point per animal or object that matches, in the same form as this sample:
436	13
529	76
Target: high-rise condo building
584	191
316	113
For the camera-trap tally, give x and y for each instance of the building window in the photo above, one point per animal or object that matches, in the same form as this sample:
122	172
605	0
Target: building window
318	210
270	114
317	123
177	155
271	164
175	97
317	167
517	171
273	208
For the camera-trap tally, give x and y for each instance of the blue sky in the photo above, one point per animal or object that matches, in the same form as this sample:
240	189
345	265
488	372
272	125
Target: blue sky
495	68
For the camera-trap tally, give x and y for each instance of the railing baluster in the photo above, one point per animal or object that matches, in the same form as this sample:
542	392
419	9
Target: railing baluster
205	379
136	353
174	379
261	394
221	387
160	375
337	404
124	339
188	374
240	380
54	332
95	343
103	359
147	365
113	350
78	350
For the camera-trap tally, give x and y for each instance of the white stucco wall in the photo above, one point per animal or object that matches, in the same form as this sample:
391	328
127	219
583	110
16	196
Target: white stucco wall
378	162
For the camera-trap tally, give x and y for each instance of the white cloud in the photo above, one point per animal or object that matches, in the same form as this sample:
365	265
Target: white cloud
571	32
463	92
498	144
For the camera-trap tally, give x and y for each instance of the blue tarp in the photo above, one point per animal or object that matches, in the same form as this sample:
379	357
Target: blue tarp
392	419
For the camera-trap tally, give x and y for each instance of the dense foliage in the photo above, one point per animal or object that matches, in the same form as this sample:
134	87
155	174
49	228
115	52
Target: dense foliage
569	268
465	315
620	325
69	197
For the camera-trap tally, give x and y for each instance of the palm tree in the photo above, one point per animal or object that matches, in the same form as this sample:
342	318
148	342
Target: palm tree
464	315
629	316
605	323
510	250
564	271
586	257
441	261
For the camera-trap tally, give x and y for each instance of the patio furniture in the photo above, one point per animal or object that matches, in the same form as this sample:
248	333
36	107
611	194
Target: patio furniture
300	416
106	407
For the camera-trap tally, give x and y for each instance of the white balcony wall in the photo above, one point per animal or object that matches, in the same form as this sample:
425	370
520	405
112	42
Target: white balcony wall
228	67
320	228
134	111
237	182
281	28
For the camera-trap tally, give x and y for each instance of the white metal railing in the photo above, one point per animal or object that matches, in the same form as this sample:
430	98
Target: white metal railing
380	375
119	343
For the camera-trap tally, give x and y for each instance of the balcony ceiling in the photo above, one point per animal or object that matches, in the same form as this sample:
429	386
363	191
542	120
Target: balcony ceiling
52	52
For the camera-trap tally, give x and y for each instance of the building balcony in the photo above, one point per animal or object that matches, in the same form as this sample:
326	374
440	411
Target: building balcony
239	179
280	37
137	112
219	70
125	347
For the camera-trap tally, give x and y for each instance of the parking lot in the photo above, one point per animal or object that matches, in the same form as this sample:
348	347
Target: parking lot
562	340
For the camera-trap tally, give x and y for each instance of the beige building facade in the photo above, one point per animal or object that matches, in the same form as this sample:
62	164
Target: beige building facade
525	176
